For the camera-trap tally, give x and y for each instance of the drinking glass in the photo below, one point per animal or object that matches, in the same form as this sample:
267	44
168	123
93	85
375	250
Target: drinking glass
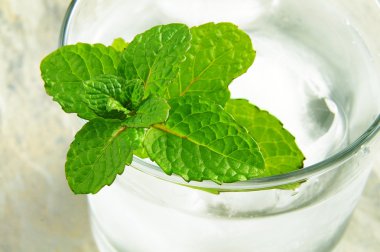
316	69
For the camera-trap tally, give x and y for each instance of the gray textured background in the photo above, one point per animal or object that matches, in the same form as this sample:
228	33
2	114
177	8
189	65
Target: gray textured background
37	210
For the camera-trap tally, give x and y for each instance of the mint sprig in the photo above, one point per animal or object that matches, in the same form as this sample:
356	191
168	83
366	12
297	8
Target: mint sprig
165	96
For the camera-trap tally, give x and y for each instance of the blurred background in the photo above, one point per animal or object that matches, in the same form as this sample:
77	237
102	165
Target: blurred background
38	212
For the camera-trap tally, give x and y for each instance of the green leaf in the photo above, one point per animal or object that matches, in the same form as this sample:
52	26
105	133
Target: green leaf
153	110
113	106
141	153
140	150
218	54
200	141
105	95
65	69
111	96
280	151
133	93
119	44
99	152
154	56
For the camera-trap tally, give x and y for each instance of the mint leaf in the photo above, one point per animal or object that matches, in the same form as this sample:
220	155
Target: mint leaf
105	96
133	93
119	44
99	152
65	69
278	147
218	54
154	56
201	141
153	110
114	109
111	96
139	150
141	153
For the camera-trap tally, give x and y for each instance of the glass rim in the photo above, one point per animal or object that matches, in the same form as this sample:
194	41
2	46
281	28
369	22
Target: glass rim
315	169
